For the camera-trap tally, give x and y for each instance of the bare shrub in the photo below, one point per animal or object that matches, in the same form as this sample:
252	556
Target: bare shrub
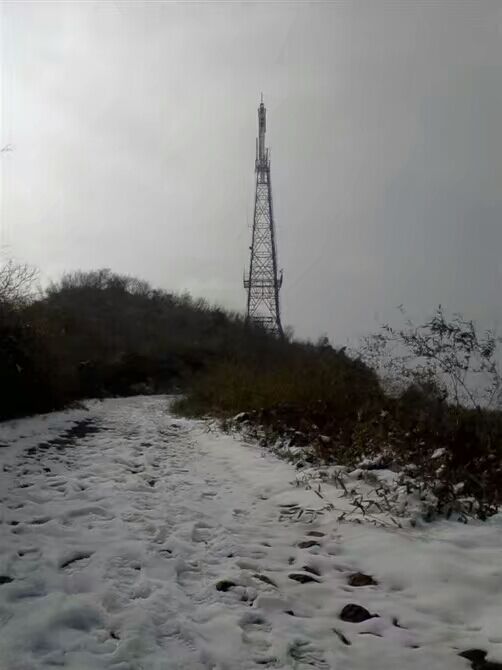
446	357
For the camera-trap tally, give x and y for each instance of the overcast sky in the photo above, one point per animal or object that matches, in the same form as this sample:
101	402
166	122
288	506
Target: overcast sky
133	129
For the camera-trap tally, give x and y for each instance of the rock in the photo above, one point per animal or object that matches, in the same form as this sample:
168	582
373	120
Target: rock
477	657
306	544
313	571
360	579
488	665
4	579
355	614
474	655
225	585
315	533
303	578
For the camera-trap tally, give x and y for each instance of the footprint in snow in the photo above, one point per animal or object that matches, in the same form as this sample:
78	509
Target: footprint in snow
265	580
201	532
254	621
188	575
304	653
74	557
40	521
239	513
303	578
141	590
267	662
308	544
29	552
255	629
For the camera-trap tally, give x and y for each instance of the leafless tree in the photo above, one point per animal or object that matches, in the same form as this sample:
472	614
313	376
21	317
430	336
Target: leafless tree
17	281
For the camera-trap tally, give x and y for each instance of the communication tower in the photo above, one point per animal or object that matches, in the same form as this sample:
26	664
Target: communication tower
263	281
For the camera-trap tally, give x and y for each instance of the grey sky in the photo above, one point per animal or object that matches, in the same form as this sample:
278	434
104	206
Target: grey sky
134	127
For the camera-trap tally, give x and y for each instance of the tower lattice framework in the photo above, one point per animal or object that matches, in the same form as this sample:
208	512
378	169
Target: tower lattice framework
263	281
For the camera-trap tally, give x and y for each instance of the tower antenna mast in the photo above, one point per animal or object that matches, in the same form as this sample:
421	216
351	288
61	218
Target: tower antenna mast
263	281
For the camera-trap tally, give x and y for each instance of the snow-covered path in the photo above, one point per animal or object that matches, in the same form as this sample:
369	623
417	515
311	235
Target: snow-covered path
134	540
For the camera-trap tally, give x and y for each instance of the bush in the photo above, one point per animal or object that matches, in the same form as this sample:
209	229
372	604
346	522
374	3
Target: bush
286	373
320	397
93	334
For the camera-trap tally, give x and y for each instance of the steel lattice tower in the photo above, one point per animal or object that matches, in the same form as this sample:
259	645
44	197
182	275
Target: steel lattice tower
263	282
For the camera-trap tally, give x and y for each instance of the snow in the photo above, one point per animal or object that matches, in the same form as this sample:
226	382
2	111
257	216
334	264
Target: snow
438	453
117	530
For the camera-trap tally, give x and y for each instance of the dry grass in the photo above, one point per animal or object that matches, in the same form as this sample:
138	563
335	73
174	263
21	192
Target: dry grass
311	394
